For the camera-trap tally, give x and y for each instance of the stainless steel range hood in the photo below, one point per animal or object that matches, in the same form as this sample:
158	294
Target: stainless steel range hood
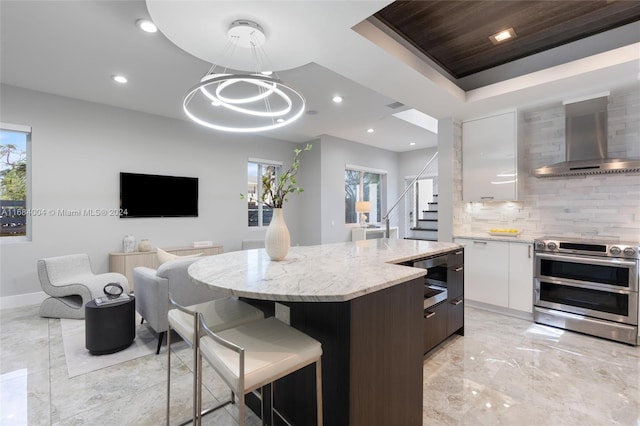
586	143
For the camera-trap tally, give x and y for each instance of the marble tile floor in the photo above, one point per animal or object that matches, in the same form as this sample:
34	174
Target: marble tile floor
504	371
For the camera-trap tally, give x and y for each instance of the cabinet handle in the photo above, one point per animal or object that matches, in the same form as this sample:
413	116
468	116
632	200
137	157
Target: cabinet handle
429	315
480	242
529	252
456	302
486	198
458	269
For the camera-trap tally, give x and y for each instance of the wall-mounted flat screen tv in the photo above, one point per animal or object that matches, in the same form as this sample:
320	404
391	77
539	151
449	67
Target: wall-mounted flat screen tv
143	195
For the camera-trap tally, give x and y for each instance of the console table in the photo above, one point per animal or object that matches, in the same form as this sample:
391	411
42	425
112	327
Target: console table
360	233
125	262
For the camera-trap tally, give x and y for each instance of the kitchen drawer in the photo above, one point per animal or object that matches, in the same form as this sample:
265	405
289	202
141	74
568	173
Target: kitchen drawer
435	325
455	316
456	258
455	282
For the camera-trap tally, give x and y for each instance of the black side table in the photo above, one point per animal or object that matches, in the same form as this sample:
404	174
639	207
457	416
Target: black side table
110	328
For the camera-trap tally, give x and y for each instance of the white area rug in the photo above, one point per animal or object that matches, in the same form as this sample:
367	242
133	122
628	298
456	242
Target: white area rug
80	361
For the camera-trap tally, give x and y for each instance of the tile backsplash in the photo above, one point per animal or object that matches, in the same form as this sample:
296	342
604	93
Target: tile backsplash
603	206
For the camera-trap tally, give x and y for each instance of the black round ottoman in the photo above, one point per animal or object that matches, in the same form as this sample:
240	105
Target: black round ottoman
111	327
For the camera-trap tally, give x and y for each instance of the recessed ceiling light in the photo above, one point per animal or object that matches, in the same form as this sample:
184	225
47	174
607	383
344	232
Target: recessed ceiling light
337	99
119	79
280	120
370	130
146	25
505	35
266	72
412	143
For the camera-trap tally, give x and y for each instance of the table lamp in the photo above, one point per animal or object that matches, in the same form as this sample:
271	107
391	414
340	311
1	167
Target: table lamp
363	207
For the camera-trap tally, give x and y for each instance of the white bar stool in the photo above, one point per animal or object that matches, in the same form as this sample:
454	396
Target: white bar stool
218	314
256	354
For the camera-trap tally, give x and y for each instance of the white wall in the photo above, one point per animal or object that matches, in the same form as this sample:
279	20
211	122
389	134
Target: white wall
79	149
336	153
594	207
449	160
309	201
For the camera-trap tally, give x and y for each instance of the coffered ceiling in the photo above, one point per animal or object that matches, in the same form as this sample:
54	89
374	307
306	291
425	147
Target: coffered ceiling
455	34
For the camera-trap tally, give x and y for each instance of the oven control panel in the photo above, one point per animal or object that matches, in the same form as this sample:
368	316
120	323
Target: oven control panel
590	247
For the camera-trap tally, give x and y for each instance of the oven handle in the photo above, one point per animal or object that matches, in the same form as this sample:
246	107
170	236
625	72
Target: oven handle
588	259
583	284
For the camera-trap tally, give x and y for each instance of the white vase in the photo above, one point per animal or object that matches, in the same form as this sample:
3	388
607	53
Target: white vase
129	244
277	239
145	245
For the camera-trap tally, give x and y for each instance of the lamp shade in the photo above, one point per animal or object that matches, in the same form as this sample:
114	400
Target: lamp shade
363	206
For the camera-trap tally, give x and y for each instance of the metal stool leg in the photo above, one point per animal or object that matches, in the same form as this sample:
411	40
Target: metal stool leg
319	390
168	373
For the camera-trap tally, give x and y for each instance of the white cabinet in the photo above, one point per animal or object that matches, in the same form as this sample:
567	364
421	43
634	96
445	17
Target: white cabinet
486	275
499	273
521	277
489	158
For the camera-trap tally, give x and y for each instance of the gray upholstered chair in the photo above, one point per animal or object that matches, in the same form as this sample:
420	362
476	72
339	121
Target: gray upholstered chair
71	284
152	293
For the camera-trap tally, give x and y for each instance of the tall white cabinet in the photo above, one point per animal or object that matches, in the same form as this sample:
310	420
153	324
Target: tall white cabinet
489	158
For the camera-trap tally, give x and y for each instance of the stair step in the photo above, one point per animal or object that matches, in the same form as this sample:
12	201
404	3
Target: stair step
420	239
427	215
427	224
429	234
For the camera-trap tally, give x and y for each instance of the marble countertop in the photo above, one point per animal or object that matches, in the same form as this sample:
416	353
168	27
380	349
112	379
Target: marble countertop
323	273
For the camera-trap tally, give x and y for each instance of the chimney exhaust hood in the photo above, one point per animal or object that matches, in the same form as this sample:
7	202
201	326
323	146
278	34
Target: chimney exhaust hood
586	143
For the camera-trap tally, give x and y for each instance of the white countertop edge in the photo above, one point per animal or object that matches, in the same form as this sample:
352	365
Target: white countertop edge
485	237
325	298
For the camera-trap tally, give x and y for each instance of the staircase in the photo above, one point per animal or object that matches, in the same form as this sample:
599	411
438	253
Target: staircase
427	228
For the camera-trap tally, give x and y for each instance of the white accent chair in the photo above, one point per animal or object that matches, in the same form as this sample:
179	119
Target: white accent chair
71	284
253	355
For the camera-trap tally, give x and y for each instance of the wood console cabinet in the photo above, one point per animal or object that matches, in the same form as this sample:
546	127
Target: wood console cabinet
125	262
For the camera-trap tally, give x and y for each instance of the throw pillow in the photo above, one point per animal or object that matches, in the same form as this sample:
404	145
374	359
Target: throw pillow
164	256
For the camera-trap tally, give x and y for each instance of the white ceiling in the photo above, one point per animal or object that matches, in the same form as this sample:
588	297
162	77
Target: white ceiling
71	48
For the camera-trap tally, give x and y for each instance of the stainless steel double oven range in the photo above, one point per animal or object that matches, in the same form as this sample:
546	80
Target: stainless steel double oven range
588	286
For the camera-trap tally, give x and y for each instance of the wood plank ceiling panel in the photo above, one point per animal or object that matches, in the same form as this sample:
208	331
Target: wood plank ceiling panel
455	33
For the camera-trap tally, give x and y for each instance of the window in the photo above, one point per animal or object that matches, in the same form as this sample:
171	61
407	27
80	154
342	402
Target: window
15	143
361	184
259	215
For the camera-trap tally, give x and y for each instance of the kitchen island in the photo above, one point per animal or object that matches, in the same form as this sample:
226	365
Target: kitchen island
365	309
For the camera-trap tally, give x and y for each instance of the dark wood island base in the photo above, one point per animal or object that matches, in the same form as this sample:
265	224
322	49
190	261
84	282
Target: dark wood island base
371	363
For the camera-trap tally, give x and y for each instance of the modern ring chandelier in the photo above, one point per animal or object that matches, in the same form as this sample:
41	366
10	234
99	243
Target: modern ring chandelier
243	102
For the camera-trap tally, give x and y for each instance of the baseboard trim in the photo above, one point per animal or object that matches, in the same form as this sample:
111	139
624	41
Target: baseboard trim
500	310
17	301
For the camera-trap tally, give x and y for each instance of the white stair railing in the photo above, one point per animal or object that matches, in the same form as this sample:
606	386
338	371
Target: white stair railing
386	216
